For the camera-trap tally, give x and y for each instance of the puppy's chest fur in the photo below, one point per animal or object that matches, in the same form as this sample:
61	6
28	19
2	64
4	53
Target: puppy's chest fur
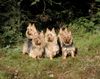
53	47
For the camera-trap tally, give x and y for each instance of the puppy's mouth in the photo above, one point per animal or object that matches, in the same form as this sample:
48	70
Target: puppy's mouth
67	40
38	43
50	39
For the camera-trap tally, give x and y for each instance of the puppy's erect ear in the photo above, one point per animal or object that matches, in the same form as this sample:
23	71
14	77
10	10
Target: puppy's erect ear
66	30
60	31
47	30
29	25
53	30
34	27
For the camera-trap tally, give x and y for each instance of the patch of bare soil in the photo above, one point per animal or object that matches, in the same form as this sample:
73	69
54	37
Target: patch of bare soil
10	72
90	73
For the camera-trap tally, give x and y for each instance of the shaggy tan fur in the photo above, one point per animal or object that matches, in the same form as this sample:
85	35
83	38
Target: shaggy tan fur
38	46
30	33
51	48
37	43
65	36
66	42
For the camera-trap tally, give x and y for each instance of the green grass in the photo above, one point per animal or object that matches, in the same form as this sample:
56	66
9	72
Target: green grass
86	65
97	0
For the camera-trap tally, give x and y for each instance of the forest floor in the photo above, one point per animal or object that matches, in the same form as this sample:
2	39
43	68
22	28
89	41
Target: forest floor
86	65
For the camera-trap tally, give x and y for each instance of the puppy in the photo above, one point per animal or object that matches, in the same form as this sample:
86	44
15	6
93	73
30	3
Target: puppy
30	33
38	46
66	42
51	48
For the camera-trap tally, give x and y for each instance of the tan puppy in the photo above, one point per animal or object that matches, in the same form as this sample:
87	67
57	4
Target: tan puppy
38	46
51	48
66	42
30	33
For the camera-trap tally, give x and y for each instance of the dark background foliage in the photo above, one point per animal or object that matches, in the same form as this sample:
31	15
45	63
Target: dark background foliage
16	14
